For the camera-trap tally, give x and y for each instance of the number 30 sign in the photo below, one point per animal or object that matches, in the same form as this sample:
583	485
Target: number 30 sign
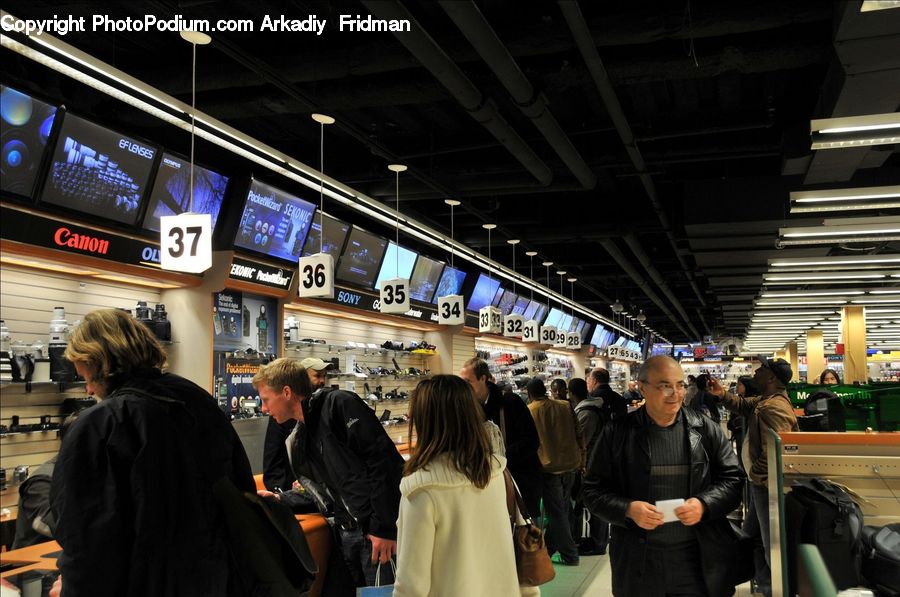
185	243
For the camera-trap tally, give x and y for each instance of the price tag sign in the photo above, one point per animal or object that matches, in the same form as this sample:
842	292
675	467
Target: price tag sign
531	331
450	310
513	326
185	243
317	276
394	295
489	320
573	340
548	335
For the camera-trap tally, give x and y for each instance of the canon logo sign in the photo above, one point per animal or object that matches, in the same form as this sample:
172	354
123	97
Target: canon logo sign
89	244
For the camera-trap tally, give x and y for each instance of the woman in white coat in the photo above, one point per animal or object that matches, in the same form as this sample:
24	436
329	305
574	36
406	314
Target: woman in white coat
454	534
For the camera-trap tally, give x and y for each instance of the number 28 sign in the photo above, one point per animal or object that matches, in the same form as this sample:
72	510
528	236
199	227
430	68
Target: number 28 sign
185	243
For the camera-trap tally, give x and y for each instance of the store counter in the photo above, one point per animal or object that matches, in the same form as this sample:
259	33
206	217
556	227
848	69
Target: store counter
41	558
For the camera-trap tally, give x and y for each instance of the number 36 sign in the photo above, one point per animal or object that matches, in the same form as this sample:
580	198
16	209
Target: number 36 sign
317	276
185	243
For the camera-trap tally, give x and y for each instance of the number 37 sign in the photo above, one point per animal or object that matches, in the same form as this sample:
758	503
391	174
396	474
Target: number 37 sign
185	243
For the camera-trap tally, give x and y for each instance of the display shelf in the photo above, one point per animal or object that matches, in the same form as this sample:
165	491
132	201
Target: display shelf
28	386
338	349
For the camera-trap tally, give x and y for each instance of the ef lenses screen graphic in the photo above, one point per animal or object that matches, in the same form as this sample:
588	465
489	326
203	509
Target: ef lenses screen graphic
98	171
273	222
24	128
171	191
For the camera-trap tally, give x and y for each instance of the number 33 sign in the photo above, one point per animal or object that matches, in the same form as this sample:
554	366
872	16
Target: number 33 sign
185	243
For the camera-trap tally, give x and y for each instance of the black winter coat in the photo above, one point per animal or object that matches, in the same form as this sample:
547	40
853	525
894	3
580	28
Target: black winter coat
522	440
132	493
348	450
619	473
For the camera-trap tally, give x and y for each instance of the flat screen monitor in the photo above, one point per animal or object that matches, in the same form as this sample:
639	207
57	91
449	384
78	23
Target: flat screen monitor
497	296
335	235
274	222
579	326
661	348
585	332
520	306
171	190
424	279
507	302
602	337
620	341
398	263
683	350
531	310
541	312
450	283
98	171
361	258
25	126
554	318
483	293
565	322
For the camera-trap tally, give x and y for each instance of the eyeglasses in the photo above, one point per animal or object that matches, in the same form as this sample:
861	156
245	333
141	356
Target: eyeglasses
668	389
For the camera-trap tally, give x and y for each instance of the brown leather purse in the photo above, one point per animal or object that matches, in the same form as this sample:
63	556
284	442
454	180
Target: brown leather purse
533	564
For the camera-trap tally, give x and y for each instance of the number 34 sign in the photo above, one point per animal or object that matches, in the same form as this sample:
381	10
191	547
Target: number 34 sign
185	243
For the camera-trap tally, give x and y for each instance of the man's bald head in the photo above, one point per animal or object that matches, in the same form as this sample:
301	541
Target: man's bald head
656	364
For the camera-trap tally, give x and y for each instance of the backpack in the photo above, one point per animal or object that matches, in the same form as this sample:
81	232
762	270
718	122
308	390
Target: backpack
821	513
881	559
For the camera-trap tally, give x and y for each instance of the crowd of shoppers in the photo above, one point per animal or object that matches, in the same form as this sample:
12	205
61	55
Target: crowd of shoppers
662	476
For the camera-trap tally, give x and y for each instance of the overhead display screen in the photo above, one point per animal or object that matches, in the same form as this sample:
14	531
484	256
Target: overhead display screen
520	306
424	279
450	283
361	258
25	126
171	190
335	235
554	318
507	302
274	222
98	171
396	264
483	293
602	337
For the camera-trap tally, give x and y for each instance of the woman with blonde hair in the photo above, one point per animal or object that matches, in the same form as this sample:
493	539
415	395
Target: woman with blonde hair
132	488
454	534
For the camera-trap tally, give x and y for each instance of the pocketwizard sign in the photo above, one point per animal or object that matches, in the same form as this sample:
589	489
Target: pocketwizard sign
260	273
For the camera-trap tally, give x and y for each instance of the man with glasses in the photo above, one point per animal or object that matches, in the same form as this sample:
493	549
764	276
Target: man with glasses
665	478
773	410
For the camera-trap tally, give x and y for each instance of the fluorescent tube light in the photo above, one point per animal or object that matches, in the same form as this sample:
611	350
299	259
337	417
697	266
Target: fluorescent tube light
887	197
855	131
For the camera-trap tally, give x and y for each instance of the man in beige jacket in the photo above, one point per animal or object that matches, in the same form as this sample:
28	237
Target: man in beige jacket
771	410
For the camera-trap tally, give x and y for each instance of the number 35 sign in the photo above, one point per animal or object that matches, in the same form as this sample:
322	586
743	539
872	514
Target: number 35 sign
186	243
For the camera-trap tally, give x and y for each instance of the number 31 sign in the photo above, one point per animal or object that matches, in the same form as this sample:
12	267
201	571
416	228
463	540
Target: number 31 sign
185	243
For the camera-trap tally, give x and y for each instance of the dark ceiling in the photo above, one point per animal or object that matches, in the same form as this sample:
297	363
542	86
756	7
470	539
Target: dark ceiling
648	148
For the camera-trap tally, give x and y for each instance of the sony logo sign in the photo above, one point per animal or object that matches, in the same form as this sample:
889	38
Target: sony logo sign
135	148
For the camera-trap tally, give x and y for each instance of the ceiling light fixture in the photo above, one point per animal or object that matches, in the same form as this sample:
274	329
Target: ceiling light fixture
887	197
855	131
872	5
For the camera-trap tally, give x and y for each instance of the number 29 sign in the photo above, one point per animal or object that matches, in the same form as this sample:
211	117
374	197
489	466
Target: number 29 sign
185	243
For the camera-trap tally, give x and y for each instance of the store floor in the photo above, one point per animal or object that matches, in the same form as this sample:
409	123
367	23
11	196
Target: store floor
593	578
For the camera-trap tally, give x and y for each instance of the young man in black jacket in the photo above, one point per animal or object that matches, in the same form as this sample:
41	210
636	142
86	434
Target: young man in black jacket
510	413
665	452
339	444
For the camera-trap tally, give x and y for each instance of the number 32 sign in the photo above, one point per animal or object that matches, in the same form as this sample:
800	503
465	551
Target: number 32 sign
186	243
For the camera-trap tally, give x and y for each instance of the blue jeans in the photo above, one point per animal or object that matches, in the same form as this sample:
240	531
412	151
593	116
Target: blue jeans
350	565
759	508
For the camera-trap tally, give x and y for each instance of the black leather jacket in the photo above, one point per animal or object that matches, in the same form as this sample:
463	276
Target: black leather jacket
619	473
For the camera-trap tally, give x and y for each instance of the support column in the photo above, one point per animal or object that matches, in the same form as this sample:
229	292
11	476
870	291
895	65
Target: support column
853	320
790	355
815	355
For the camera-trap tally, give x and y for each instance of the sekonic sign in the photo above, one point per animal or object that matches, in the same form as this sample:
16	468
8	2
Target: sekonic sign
40	231
260	273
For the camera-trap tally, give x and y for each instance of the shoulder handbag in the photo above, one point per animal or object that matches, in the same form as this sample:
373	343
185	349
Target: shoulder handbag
533	564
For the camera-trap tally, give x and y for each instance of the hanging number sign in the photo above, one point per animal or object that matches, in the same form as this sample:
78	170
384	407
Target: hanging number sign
450	310
394	295
316	276
560	339
531	331
573	340
185	243
513	326
489	320
548	335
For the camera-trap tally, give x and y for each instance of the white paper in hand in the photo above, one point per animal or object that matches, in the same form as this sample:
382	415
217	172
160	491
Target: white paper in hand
667	509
